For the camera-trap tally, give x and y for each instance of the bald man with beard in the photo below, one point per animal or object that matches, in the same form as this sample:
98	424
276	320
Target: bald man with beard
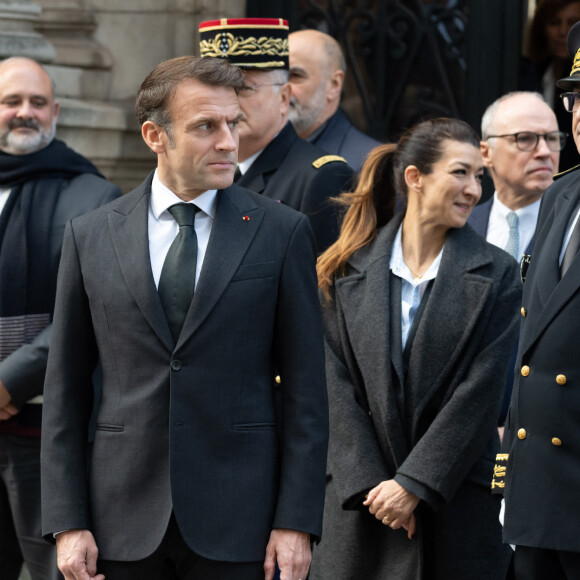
317	72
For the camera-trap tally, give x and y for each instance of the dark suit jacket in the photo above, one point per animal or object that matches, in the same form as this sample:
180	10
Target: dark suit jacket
190	427
285	171
542	490
447	435
340	137
23	371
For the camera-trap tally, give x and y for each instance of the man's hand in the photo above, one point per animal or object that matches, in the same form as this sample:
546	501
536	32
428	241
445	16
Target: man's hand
5	396
393	505
8	412
291	549
77	555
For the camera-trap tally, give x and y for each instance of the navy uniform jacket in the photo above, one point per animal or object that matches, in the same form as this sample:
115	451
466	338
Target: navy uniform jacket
303	177
340	137
542	487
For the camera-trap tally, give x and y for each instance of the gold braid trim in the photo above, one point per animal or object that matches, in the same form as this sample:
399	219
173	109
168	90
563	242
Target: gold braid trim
240	46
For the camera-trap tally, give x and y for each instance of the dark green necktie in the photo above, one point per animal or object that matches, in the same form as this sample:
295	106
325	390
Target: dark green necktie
177	280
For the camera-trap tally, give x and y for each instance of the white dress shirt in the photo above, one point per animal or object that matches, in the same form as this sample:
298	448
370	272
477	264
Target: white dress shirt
4	193
246	164
412	289
498	229
163	228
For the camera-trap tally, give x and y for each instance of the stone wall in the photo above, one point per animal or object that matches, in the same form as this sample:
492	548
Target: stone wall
98	52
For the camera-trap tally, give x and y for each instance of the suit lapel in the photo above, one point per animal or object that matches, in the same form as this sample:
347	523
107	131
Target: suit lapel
128	228
230	238
553	293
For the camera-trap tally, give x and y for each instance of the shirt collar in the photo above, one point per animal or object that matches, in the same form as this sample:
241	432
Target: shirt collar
247	163
162	198
399	268
528	213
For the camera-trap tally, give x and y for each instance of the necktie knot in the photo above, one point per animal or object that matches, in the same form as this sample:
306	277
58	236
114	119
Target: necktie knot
512	219
183	213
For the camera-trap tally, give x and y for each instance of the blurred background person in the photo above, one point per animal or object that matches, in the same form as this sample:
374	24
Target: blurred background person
420	318
317	71
546	49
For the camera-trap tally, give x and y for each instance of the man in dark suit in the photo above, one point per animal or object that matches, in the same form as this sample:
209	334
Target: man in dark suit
317	71
195	472
43	184
274	161
542	479
520	148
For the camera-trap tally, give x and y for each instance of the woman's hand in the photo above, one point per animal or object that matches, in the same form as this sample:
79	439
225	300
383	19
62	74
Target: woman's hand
393	505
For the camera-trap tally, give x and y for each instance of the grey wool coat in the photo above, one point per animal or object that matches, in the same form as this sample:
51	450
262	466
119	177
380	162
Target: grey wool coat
446	440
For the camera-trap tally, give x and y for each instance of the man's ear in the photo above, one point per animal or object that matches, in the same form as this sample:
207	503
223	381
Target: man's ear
334	85
154	136
486	153
413	178
285	93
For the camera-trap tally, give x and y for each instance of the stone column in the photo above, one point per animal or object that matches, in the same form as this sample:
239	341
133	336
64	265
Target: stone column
17	34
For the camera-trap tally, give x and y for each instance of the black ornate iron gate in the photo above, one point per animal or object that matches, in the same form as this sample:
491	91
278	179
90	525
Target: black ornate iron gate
415	59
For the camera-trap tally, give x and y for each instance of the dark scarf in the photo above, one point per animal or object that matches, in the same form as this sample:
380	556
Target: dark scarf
27	275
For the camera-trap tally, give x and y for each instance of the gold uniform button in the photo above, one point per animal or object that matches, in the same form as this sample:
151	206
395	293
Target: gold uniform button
525	371
561	379
557	442
524	312
278	379
522	433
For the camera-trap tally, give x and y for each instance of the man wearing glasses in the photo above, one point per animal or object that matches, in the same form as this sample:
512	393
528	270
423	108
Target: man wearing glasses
273	160
542	468
521	148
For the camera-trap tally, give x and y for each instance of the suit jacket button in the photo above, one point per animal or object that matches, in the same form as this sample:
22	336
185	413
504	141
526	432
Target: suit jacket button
524	312
175	365
557	442
522	433
278	379
561	379
525	371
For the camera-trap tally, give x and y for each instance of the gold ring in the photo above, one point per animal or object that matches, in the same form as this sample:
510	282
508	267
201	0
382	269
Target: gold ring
386	520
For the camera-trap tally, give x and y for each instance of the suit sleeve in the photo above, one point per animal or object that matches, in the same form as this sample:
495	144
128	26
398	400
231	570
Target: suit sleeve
299	356
355	460
68	398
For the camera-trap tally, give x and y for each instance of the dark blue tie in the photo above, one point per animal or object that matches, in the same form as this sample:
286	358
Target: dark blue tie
177	281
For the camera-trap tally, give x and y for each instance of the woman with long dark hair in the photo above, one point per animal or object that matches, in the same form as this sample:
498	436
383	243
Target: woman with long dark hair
420	316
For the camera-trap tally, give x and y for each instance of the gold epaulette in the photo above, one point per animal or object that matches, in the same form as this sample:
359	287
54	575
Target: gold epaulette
327	159
558	175
499	471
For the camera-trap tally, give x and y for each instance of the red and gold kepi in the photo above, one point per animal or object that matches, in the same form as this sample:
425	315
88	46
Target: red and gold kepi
247	42
573	45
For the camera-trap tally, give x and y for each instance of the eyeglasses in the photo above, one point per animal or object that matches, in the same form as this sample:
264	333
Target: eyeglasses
571	101
528	141
248	90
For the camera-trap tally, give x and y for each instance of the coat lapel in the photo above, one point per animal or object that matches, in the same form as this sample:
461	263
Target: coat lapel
230	238
553	292
462	301
128	227
269	160
370	330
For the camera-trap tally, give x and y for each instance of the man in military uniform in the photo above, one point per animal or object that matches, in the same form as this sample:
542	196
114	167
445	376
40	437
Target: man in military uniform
317	71
273	160
542	486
